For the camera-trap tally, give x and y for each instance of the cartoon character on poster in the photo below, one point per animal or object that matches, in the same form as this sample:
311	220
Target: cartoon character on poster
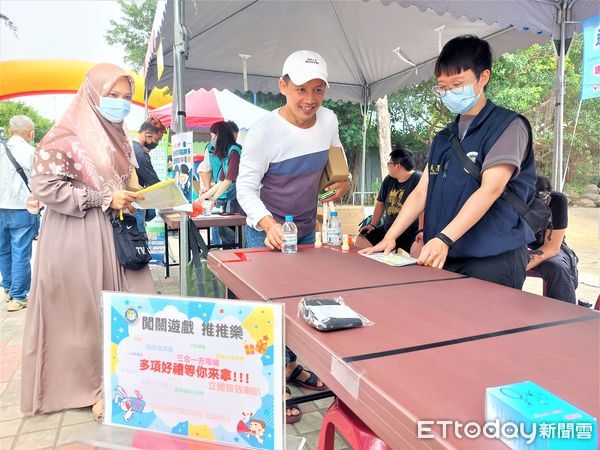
252	427
129	405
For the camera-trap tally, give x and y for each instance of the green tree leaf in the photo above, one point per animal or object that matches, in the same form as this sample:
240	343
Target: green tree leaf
9	109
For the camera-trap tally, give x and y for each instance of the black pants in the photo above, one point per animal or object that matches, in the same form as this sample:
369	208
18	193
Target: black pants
507	269
560	275
404	241
231	207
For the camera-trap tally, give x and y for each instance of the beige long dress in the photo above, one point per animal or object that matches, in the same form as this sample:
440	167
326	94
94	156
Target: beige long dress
75	261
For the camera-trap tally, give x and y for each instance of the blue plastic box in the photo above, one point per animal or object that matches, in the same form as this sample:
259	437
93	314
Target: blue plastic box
549	423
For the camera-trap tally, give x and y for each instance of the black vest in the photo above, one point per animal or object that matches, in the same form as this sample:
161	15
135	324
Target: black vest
501	229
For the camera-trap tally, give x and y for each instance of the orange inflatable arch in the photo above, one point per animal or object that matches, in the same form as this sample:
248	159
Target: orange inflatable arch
23	77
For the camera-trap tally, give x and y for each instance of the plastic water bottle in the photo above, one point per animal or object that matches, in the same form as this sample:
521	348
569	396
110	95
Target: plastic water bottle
333	232
290	236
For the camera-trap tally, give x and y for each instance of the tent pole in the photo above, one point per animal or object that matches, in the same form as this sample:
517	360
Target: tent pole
146	95
179	56
557	162
363	169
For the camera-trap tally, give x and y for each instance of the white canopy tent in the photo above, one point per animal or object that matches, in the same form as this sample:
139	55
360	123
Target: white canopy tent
372	47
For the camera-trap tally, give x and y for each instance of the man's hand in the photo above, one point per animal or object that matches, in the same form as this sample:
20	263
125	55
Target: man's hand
274	231
122	199
387	245
341	187
433	254
366	229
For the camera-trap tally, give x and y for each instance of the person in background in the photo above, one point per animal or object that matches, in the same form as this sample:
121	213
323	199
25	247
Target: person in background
284	156
223	162
150	134
219	170
17	226
395	189
82	168
468	228
552	259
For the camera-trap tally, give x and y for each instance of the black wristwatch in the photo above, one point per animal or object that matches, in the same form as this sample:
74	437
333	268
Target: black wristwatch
445	239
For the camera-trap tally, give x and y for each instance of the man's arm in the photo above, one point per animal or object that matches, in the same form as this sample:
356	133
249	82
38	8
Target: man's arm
375	218
146	172
549	249
254	163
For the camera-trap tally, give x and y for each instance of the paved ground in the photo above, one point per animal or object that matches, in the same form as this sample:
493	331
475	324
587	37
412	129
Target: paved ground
59	429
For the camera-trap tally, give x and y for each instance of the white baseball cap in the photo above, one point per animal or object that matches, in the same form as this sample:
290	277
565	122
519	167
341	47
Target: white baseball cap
303	66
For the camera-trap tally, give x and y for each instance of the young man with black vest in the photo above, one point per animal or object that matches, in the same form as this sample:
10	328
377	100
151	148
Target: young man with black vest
468	228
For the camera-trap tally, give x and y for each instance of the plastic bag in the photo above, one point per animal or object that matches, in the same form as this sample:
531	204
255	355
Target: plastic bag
328	314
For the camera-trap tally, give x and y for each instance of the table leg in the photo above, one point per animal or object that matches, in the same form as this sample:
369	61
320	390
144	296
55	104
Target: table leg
167	266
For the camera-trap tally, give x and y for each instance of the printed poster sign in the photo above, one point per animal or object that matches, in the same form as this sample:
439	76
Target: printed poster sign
181	144
590	85
155	228
206	369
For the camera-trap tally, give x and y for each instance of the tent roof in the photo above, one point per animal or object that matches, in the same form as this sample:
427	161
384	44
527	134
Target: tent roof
381	45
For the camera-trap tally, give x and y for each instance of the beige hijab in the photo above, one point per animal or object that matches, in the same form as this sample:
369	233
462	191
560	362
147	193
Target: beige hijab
83	145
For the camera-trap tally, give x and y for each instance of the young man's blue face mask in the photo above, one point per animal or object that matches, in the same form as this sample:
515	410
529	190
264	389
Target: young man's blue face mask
114	109
461	103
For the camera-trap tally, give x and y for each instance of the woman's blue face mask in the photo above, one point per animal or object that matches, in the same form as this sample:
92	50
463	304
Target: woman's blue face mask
460	103
114	109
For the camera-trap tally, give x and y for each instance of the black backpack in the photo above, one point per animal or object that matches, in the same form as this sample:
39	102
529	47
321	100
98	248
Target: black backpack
537	214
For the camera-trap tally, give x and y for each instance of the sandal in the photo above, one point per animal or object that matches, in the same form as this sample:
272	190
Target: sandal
310	383
291	418
98	410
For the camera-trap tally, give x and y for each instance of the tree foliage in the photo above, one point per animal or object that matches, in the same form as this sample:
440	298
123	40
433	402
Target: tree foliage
9	109
522	81
132	31
4	19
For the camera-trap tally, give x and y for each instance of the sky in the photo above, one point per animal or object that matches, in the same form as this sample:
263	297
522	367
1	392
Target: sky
72	29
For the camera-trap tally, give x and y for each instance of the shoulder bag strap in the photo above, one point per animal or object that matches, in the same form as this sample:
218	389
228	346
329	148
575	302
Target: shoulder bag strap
18	167
475	172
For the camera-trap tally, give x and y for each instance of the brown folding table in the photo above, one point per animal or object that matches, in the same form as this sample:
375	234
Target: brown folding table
256	274
437	342
171	219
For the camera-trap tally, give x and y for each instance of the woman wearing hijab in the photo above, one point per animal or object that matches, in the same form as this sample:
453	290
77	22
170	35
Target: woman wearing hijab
81	170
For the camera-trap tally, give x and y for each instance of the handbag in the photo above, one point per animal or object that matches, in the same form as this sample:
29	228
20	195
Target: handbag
131	246
537	214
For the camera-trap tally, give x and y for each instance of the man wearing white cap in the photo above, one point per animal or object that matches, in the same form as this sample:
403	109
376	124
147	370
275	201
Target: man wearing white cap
285	153
280	168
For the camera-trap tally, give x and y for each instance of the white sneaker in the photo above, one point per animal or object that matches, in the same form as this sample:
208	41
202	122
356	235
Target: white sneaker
16	305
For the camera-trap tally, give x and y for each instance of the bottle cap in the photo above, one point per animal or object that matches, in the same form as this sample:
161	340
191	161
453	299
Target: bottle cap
289	218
